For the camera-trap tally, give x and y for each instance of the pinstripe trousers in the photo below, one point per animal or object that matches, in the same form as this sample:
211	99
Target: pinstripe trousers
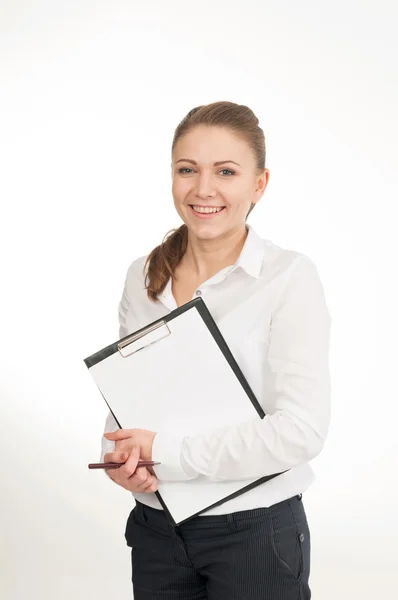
260	554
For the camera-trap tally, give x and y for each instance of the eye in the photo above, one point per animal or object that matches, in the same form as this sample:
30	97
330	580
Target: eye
188	171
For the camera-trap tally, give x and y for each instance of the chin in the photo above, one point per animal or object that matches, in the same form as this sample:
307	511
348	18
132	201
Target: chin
206	232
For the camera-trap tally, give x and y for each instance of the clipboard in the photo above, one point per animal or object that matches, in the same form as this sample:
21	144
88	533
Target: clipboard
178	374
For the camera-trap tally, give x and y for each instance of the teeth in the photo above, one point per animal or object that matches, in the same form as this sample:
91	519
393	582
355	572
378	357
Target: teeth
202	209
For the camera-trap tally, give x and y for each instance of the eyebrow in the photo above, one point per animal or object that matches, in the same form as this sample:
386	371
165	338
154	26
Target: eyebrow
216	164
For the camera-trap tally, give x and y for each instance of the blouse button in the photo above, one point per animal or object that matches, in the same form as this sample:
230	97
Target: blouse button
302	537
198	293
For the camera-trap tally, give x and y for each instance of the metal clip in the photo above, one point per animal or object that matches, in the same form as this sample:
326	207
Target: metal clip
136	342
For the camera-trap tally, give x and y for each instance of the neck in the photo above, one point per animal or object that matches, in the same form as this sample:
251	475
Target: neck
207	257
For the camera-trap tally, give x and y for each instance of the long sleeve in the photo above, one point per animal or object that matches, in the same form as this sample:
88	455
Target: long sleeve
298	364
110	423
108	445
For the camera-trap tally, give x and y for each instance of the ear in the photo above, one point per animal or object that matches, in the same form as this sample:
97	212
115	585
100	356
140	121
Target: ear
261	183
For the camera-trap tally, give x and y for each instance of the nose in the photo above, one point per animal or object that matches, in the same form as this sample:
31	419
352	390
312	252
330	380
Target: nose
205	187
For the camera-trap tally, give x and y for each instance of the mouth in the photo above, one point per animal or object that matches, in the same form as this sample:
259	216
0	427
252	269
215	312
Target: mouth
206	212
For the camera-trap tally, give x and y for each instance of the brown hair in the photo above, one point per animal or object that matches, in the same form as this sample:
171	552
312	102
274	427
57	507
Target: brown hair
164	259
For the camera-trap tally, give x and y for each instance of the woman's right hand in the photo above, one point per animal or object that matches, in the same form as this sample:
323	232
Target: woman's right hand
128	476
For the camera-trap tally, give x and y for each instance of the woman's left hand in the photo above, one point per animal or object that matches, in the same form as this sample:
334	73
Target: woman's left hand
126	439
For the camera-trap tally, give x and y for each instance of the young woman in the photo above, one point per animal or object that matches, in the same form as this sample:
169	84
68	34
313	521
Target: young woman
255	546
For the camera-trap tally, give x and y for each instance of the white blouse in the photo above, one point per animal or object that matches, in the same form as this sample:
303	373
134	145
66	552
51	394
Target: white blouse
278	330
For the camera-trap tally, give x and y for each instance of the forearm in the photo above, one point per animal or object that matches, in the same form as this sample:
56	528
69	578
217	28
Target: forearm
251	450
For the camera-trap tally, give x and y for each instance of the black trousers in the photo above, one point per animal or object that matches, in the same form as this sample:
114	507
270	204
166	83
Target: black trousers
260	554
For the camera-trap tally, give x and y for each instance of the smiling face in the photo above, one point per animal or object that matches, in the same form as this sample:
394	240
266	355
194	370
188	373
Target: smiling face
215	181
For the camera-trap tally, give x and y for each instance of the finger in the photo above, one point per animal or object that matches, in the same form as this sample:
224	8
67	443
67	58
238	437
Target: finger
140	476
142	480
112	474
154	486
123	445
119	434
118	475
129	467
151	485
117	457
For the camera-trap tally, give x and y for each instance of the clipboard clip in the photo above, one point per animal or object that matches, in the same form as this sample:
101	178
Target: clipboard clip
142	339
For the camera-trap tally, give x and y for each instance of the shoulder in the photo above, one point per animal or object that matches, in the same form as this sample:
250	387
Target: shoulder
135	276
288	267
137	267
283	260
295	280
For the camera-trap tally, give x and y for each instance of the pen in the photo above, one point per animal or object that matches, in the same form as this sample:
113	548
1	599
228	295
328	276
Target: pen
112	465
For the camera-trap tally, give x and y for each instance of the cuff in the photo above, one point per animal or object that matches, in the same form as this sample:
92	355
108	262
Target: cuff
167	449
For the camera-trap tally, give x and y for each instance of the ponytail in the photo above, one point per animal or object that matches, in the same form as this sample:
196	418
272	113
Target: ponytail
164	259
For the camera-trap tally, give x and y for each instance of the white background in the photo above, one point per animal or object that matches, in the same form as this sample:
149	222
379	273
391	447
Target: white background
91	92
